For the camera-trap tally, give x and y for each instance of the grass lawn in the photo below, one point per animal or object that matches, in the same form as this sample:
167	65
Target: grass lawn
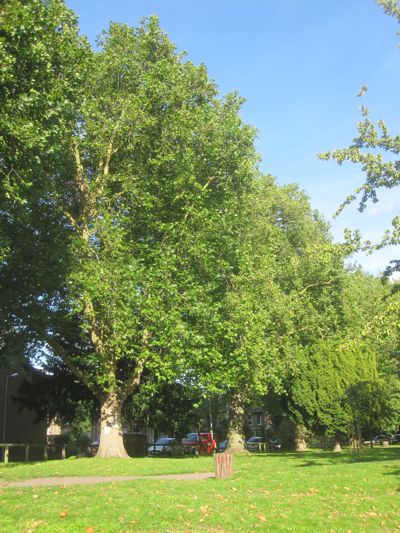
311	492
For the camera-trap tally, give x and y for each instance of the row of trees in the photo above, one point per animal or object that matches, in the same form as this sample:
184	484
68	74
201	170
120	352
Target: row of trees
140	245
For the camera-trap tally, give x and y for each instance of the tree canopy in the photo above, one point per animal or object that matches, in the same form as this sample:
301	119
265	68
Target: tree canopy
129	229
139	243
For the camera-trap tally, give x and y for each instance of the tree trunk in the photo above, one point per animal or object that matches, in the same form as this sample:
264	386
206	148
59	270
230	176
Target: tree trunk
235	425
299	438
111	440
337	447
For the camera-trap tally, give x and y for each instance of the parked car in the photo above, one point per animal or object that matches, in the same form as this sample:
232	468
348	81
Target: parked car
380	438
163	446
253	444
222	446
189	443
92	448
274	443
395	439
199	443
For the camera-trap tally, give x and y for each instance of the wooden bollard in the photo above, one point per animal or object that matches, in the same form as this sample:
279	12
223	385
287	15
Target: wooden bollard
6	449
63	451
223	464
27	452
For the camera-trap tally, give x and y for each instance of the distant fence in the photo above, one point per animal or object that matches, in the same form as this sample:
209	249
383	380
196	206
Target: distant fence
6	450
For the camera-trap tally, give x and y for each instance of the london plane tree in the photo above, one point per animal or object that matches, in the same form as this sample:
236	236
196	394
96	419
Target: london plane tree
124	230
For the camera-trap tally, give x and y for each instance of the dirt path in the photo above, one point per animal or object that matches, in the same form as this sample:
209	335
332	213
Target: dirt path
53	481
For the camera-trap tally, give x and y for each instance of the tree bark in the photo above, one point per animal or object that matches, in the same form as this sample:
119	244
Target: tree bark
235	425
299	438
111	437
337	447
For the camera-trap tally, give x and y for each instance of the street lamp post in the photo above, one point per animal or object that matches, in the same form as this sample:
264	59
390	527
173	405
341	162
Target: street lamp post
5	403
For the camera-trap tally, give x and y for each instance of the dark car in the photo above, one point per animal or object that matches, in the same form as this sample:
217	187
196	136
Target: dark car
190	443
395	439
379	439
255	444
163	446
222	446
274	443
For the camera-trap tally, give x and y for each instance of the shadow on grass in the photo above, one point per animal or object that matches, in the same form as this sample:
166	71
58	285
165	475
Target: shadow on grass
393	473
13	464
320	457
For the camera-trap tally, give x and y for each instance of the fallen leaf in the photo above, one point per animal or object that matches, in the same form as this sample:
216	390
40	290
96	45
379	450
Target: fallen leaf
262	518
89	530
63	514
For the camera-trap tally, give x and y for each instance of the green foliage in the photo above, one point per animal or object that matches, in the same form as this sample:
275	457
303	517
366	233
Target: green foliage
79	428
124	222
145	247
286	292
42	61
56	395
318	394
350	355
376	405
138	241
170	409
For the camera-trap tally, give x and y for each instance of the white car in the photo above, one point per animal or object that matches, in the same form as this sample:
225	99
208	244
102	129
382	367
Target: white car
253	444
163	446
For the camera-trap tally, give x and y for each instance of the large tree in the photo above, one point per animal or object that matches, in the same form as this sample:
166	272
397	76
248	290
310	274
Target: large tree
285	295
140	211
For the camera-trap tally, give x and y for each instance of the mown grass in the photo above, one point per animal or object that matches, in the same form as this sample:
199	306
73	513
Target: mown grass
308	492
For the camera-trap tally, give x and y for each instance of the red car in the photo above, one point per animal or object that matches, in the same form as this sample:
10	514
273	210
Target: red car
199	443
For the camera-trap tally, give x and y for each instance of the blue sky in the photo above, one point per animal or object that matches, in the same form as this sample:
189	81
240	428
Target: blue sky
300	65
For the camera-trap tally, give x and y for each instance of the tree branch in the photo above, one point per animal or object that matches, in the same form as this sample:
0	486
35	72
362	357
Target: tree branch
311	285
110	147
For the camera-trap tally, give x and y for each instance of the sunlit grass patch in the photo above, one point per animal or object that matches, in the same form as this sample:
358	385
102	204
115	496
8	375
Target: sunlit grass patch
312	491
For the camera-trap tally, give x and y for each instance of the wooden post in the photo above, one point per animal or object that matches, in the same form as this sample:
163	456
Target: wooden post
6	449
45	453
223	464
27	453
63	451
